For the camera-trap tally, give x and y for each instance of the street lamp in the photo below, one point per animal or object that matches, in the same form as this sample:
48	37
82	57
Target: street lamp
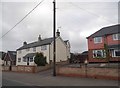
86	63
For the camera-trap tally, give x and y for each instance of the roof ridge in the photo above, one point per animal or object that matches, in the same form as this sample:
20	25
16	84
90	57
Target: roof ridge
104	31
37	43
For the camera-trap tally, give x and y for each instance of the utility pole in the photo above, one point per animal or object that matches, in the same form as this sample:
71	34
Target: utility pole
54	37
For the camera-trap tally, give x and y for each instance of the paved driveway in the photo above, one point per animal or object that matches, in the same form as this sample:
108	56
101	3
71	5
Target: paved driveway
46	79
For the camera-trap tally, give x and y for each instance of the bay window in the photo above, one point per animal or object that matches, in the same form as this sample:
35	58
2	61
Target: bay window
99	54
115	53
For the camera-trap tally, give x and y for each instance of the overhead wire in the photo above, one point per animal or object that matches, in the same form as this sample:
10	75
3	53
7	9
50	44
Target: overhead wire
21	20
91	12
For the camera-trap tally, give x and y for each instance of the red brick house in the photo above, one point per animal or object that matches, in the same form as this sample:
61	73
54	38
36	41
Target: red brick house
106	37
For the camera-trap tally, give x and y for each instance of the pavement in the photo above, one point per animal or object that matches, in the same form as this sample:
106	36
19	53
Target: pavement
45	78
98	65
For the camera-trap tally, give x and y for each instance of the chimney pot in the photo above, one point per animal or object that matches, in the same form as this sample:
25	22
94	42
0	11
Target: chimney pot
24	43
57	33
39	38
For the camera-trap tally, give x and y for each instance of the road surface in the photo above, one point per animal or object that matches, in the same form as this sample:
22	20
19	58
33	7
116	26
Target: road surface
46	79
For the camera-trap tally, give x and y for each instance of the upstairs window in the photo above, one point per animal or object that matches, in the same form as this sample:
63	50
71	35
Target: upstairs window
34	49
98	40
44	47
116	36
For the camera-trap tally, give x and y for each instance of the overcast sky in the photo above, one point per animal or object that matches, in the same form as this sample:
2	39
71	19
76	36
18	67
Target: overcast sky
76	18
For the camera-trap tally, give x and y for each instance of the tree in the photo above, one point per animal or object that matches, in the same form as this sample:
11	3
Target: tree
40	59
106	49
107	53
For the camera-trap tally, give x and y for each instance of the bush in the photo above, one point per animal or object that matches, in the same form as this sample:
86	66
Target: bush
40	59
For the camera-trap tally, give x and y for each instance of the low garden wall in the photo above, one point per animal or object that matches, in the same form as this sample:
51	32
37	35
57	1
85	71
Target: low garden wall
101	73
5	68
62	63
42	68
25	69
29	69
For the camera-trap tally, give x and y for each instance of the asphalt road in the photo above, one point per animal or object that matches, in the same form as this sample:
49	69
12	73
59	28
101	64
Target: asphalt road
9	82
46	79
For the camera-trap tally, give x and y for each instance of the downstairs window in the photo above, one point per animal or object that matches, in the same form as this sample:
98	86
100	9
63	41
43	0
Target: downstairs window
99	54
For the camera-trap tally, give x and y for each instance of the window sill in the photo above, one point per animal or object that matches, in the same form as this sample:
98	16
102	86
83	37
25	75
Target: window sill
99	58
116	56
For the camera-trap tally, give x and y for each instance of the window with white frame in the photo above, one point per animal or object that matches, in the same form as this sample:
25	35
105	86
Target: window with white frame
31	59
98	40
24	59
115	53
44	47
34	49
19	59
116	36
99	54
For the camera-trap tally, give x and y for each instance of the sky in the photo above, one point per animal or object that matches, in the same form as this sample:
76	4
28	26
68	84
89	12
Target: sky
76	20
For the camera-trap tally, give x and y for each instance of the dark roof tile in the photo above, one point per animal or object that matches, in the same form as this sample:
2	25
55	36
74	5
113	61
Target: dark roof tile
30	55
107	31
12	54
37	43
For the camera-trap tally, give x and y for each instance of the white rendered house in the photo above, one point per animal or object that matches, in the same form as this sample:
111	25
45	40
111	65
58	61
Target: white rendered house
26	53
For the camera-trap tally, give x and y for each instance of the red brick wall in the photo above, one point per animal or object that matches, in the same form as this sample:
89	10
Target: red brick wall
110	41
100	73
93	46
91	59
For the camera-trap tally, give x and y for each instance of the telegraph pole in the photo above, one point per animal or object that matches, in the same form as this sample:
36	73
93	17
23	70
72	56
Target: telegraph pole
54	37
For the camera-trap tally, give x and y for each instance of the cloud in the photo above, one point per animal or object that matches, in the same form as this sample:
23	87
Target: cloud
77	20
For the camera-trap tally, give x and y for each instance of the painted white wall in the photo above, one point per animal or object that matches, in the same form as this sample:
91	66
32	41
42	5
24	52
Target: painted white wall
1	61
25	52
62	52
68	49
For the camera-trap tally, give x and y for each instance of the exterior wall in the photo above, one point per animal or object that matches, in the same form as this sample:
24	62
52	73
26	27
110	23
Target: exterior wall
68	50
111	41
99	73
7	60
24	52
92	46
61	51
26	69
91	59
1	61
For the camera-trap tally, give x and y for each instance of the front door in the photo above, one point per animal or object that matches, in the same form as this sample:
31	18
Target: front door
28	61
